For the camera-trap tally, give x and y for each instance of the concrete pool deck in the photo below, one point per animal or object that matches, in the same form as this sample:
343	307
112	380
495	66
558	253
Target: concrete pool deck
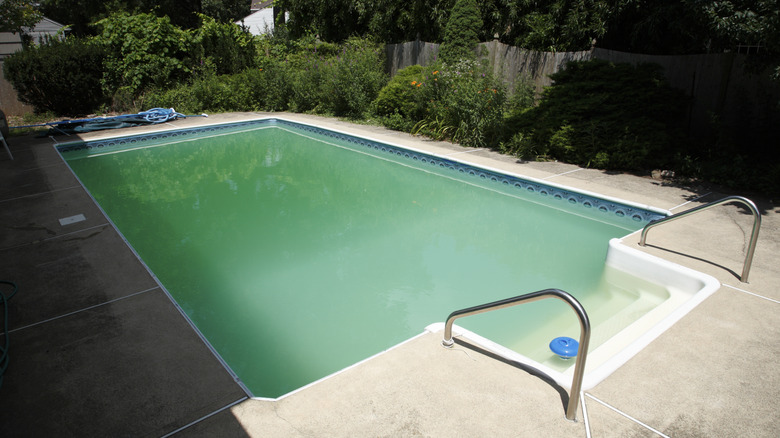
97	349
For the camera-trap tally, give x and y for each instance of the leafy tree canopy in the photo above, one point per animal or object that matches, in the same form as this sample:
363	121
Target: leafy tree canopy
748	22
393	21
226	10
81	14
387	20
18	14
142	51
557	25
331	20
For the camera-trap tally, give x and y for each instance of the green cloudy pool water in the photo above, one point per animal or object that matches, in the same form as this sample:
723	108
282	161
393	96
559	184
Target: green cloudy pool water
298	256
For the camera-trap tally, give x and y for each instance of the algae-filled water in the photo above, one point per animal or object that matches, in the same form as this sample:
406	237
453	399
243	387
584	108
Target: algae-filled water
297	256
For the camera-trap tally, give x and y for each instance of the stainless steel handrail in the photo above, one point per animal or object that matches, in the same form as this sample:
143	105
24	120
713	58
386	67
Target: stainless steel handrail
582	354
729	199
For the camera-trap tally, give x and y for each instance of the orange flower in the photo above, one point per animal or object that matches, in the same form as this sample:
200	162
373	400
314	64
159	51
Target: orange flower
414	82
418	85
436	72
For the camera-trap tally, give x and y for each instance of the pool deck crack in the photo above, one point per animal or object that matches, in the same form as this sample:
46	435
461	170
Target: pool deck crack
564	173
295	428
464	152
82	310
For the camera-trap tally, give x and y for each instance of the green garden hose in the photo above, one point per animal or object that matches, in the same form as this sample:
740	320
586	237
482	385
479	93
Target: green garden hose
4	349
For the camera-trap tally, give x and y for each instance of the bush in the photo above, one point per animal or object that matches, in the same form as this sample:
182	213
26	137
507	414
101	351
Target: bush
399	97
461	35
461	102
59	76
353	79
226	46
465	104
142	52
249	90
304	74
341	80
604	115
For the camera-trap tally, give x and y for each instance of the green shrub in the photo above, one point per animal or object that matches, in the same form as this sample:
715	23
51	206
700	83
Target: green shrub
461	35
245	91
605	115
399	96
353	79
304	76
465	104
59	76
226	46
523	95
142	52
341	80
461	102
278	91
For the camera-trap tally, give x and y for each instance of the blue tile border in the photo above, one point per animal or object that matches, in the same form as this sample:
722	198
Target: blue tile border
636	215
100	146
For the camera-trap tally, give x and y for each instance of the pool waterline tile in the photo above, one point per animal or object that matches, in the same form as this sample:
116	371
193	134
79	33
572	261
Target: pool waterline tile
635	216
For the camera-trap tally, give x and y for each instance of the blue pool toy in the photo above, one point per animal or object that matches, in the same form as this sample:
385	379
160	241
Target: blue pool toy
564	347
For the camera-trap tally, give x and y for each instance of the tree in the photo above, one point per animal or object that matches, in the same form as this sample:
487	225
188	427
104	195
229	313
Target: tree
389	21
225	45
226	10
658	27
331	20
142	51
82	14
77	14
16	15
558	25
748	22
394	21
462	32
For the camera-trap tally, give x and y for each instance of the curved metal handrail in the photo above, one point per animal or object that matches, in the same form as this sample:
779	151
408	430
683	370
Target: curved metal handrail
579	366
726	200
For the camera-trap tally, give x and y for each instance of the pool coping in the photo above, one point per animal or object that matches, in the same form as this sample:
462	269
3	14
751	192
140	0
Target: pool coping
604	205
654	388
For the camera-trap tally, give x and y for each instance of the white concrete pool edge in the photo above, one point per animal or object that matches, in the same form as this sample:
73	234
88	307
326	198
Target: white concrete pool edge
223	363
343	370
697	284
452	157
618	255
692	288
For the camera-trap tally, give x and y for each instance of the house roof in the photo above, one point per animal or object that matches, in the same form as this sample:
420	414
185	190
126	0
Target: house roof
11	42
46	25
260	4
258	21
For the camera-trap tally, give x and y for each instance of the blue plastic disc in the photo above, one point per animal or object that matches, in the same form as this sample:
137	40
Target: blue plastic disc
564	347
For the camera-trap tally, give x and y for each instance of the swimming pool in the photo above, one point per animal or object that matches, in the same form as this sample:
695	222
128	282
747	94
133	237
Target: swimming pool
292	248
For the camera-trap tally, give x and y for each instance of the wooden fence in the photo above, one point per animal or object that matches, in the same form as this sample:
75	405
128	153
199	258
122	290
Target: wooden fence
724	94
